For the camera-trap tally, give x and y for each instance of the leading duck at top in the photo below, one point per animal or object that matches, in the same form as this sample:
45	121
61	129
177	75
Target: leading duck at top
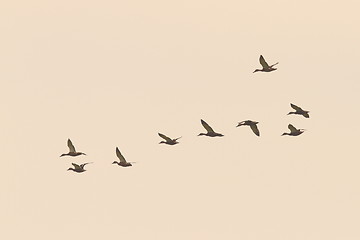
266	67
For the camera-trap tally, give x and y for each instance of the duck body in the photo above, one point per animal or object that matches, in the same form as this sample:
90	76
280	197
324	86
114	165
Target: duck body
265	70
78	168
72	154
168	143
293	134
127	164
211	134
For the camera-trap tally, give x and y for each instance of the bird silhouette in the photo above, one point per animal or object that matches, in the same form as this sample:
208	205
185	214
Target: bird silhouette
78	168
299	111
72	151
252	124
122	162
293	131
265	66
210	131
168	140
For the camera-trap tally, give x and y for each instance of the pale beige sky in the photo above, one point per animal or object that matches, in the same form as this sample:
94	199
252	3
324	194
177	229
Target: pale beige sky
109	74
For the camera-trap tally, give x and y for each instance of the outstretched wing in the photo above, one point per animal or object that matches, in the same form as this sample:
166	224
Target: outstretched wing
175	139
206	126
274	64
263	62
71	146
120	156
240	124
296	107
83	165
76	166
255	129
292	128
165	137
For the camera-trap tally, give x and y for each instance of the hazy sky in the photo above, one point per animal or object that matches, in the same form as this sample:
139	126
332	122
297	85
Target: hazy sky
115	73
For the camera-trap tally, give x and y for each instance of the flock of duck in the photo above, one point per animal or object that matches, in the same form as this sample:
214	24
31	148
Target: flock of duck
209	131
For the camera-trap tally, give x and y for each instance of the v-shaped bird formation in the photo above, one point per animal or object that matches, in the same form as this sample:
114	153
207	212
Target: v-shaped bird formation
79	168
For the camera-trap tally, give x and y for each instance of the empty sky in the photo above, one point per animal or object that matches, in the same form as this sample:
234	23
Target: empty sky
115	73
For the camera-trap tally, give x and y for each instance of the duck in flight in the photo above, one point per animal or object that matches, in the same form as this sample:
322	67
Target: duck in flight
72	151
252	124
168	140
299	111
210	131
293	131
266	67
78	168
122	162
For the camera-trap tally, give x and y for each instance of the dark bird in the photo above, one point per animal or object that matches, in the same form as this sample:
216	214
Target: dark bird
266	67
299	111
210	131
122	161
252	125
293	131
72	151
78	168
168	140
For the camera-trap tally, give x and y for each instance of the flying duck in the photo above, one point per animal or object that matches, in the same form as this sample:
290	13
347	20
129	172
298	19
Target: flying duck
78	168
168	140
293	131
122	161
252	125
210	131
299	111
72	151
266	67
